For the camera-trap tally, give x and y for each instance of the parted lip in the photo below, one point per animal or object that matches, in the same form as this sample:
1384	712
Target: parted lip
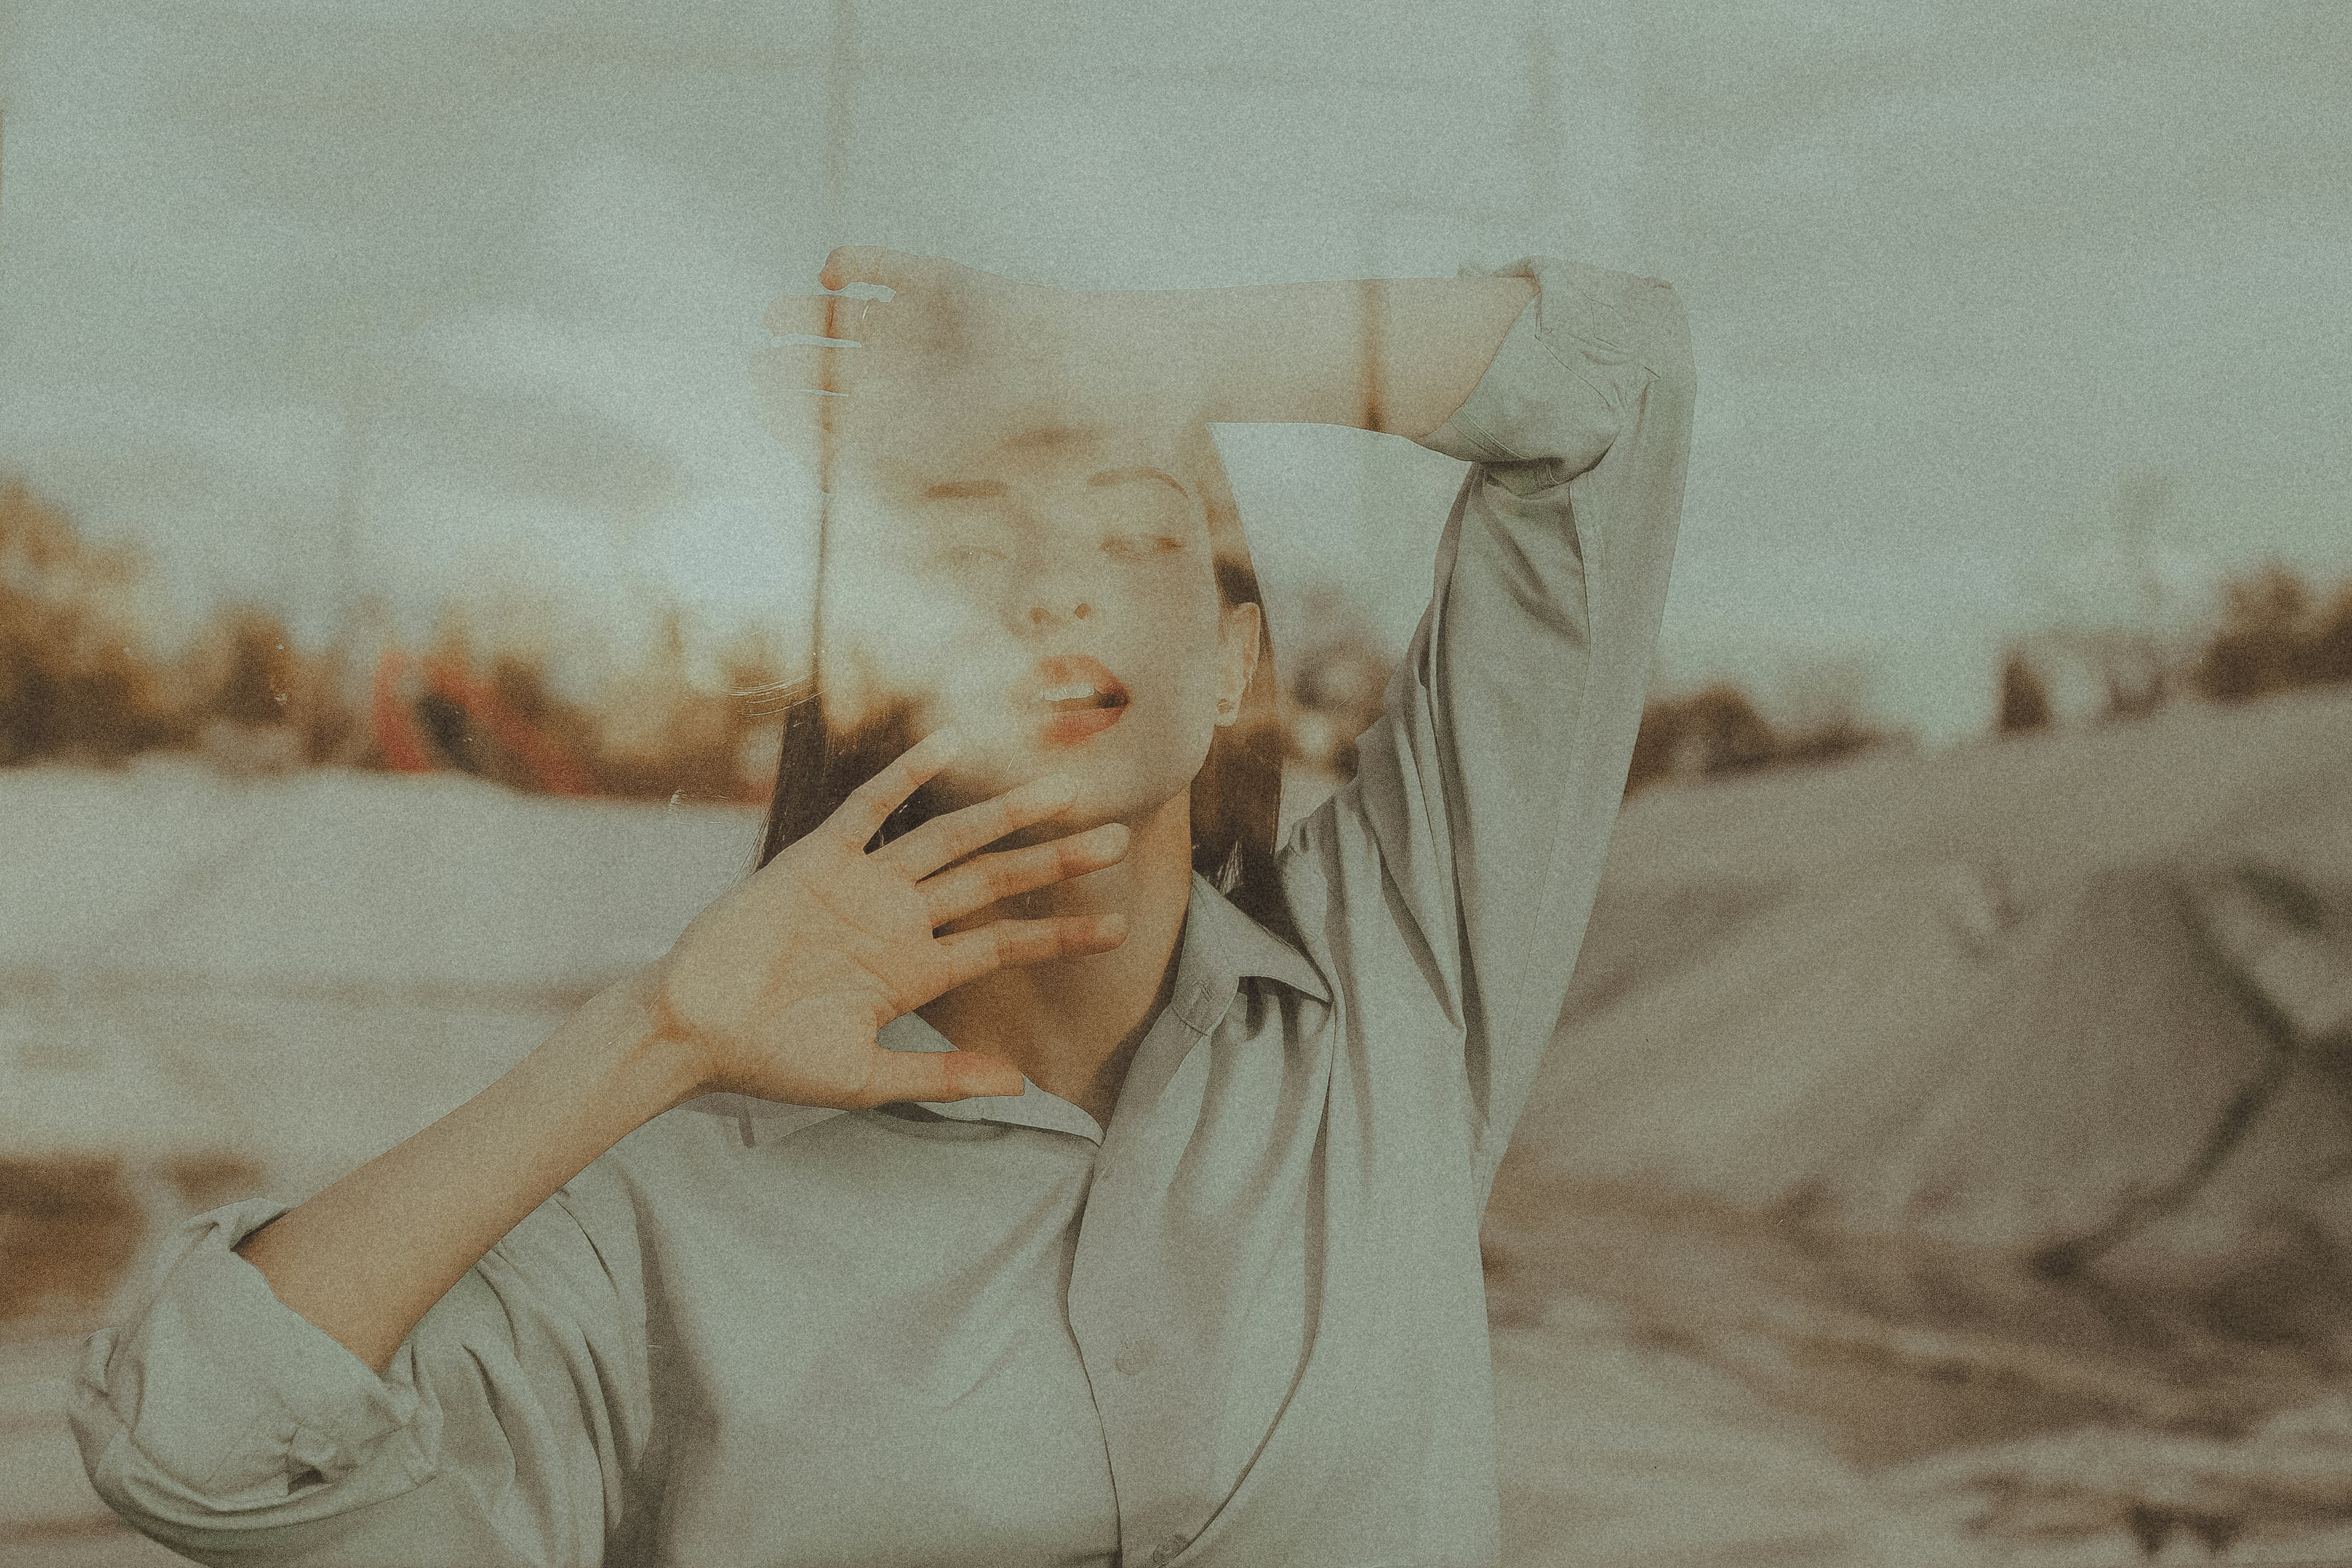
1073	679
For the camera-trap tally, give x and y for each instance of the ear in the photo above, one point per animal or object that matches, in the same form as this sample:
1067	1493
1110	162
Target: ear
1239	632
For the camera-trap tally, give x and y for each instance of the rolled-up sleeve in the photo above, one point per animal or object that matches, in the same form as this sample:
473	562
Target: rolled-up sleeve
220	1422
1490	783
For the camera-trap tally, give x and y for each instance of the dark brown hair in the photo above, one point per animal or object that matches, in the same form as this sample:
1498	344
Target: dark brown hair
1236	796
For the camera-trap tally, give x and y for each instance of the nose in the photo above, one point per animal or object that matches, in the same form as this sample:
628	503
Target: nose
1049	594
1043	613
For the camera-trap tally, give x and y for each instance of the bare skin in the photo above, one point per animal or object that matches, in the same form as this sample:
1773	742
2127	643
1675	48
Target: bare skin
1072	1025
1045	956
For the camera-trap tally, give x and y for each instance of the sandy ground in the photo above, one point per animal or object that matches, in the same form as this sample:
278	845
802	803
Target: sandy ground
1848	1048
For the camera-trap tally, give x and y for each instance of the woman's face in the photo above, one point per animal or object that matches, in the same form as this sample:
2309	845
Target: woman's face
1054	598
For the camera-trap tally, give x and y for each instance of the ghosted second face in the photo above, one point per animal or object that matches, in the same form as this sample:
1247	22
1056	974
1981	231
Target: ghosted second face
1053	596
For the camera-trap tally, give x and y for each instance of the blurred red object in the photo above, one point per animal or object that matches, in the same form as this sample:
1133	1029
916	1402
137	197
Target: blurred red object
407	748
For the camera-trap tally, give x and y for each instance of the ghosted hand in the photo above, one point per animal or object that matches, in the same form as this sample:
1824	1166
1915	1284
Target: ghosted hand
781	985
955	360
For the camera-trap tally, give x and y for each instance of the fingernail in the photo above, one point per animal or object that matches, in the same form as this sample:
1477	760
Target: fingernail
1056	787
1110	838
1114	927
948	740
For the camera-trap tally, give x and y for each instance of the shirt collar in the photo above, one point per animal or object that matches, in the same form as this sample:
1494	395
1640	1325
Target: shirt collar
1221	946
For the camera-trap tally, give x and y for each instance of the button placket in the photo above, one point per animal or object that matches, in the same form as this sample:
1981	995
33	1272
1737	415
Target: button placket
1121	1281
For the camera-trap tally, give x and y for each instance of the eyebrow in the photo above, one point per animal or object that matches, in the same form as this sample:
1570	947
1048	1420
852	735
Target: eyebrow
1129	475
1053	435
988	489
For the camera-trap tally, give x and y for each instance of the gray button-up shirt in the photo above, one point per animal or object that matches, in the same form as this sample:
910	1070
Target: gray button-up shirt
1243	1325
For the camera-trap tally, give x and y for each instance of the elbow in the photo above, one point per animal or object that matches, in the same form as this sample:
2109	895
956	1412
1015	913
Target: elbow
1666	344
159	1496
190	1464
1670	348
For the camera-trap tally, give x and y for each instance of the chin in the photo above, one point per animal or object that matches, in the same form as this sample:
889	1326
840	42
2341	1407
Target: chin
1115	790
1118	788
1125	771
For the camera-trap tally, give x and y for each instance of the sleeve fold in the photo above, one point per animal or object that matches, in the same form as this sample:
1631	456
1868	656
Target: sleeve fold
1492	780
219	1421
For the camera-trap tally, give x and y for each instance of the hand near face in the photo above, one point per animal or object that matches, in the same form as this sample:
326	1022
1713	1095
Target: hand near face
781	986
1020	543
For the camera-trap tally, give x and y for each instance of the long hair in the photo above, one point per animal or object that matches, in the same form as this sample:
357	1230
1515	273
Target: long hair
1236	797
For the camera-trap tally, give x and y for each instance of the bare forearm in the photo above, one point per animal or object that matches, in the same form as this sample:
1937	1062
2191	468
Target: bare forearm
366	1258
1395	355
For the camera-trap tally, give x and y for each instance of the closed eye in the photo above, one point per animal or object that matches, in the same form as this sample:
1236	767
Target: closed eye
1137	545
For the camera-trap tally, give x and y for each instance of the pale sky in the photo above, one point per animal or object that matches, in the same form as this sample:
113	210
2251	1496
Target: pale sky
438	299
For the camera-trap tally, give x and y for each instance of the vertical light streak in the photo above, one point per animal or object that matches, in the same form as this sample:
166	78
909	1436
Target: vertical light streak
842	66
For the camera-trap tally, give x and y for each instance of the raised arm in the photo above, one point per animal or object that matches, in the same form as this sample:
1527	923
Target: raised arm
1394	355
1491	783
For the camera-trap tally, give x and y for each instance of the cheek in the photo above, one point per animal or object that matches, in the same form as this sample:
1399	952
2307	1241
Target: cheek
1176	632
1185	666
927	649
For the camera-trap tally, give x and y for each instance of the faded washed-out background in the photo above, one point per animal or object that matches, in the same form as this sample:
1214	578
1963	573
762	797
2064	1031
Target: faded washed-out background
1947	1154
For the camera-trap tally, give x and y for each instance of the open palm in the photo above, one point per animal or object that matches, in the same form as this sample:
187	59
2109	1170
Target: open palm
783	983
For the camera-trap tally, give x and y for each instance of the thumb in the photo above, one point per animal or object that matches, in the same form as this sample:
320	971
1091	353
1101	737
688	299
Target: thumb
939	1075
875	263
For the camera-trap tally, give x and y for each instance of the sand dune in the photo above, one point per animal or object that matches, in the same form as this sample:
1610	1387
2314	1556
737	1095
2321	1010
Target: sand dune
1949	1160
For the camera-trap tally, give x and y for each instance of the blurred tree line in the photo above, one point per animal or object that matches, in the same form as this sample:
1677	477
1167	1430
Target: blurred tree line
2275	633
78	683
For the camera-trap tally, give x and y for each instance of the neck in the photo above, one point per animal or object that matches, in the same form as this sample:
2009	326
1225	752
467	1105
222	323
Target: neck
1071	1024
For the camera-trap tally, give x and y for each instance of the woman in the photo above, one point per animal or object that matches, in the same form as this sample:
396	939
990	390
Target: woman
1085	1179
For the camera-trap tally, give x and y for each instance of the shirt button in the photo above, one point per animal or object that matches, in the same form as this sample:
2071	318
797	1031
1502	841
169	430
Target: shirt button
1133	1359
1166	1551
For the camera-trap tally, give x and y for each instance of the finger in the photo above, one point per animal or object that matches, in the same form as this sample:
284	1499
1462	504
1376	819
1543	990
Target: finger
946	839
861	816
782	379
972	954
938	1075
866	264
807	366
979	882
802	421
818	316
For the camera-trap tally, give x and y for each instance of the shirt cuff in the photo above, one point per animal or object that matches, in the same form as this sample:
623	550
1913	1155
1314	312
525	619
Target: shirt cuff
215	1395
1573	362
